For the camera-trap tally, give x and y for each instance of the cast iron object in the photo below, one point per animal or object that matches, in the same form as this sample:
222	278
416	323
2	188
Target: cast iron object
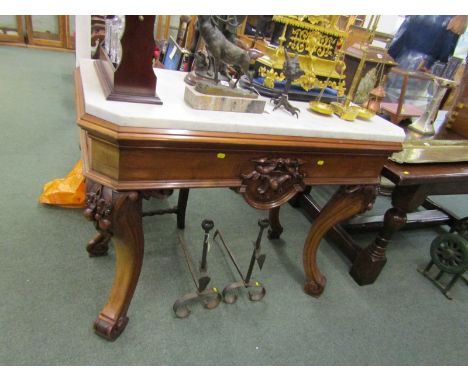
209	297
256	290
207	226
461	227
449	253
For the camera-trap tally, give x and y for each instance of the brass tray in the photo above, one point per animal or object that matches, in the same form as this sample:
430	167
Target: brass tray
432	151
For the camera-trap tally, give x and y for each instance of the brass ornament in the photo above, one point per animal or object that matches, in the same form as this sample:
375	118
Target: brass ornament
317	40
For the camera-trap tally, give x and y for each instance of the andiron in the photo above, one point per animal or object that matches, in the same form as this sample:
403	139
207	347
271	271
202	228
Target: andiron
210	297
256	289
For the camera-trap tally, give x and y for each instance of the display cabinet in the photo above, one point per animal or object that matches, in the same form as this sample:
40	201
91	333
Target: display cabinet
11	29
39	30
70	31
407	94
47	30
457	119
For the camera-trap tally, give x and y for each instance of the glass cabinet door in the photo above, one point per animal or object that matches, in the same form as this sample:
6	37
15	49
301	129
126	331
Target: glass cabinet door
11	29
46	30
70	29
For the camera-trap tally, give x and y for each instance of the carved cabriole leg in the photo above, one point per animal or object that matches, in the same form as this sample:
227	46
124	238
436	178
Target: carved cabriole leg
126	225
370	261
345	203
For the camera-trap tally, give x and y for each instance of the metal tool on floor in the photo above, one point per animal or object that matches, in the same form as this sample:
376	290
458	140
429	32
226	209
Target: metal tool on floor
256	290
449	253
210	297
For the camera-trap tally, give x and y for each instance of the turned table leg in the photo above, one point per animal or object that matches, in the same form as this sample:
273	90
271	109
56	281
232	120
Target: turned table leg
119	215
370	261
182	207
276	229
345	203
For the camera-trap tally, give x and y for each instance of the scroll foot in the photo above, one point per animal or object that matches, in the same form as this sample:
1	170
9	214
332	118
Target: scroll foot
108	328
99	245
315	288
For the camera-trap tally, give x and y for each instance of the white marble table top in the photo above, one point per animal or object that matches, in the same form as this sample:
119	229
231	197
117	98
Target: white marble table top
176	114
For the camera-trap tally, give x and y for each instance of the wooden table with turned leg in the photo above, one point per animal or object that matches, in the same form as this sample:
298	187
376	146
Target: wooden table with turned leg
413	185
136	151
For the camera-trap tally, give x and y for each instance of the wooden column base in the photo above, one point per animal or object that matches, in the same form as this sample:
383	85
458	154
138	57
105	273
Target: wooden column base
370	261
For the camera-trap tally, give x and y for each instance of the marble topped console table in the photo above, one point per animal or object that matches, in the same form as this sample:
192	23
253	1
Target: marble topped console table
131	151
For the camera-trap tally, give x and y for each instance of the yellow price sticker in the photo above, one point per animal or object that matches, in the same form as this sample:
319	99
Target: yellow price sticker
221	155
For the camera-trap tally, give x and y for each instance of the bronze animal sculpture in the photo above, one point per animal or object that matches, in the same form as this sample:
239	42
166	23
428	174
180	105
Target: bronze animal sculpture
228	25
200	61
292	71
222	50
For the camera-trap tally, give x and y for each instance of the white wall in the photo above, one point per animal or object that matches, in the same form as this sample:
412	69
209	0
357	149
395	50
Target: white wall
387	23
83	37
390	23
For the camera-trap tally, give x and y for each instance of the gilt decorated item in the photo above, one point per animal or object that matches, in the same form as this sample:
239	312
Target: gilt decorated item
316	41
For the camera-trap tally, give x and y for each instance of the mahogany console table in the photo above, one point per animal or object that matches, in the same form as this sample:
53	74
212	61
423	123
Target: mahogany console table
131	151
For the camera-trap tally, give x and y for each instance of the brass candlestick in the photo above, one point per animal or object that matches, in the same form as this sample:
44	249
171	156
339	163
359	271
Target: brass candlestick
351	112
280	49
321	107
345	110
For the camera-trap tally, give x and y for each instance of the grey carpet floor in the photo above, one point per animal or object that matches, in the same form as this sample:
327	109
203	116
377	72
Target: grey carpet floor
51	291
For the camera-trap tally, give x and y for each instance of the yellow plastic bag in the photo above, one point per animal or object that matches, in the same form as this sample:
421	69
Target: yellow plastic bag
67	192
